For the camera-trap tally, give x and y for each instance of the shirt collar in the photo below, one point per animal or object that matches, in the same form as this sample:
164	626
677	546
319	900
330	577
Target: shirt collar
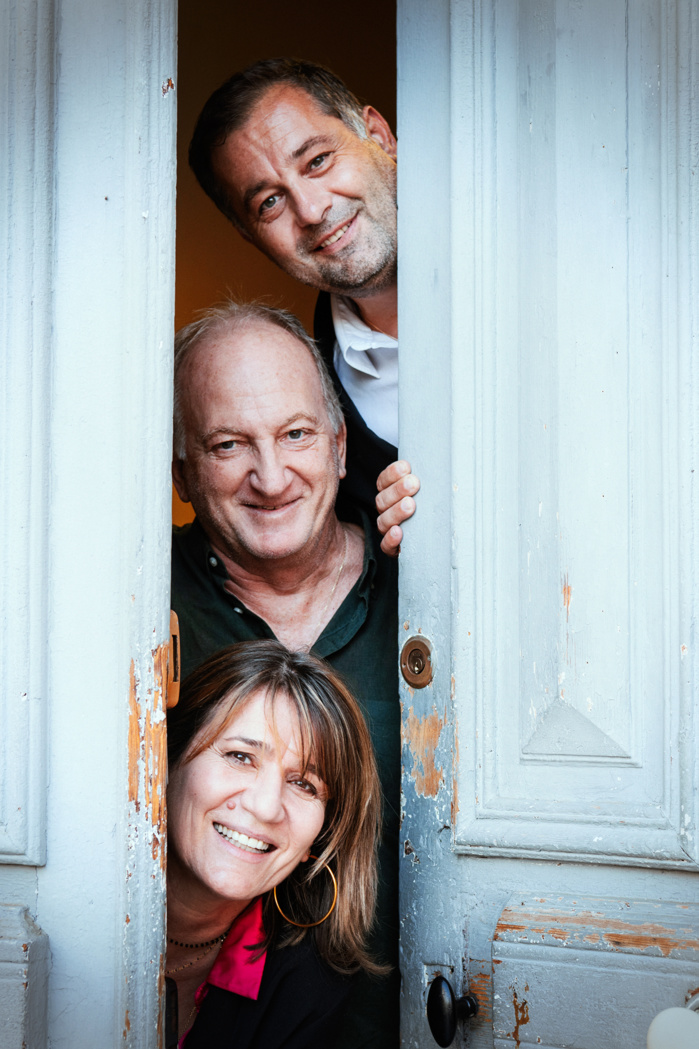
238	968
355	338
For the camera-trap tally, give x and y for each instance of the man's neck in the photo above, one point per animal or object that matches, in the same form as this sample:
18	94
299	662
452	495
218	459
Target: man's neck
380	311
297	598
280	576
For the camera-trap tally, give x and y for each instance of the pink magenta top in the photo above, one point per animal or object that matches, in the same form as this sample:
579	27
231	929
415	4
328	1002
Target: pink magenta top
237	968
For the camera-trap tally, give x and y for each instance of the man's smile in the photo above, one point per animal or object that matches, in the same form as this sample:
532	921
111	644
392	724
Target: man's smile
336	235
273	507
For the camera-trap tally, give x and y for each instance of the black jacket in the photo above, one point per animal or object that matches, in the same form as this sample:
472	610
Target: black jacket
367	453
299	1006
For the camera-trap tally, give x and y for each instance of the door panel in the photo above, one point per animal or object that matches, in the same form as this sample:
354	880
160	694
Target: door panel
87	296
550	231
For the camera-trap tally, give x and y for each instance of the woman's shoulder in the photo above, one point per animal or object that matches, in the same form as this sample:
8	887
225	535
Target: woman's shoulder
301	965
299	1006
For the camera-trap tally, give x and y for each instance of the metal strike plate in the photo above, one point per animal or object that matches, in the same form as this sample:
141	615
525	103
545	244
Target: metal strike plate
416	662
173	662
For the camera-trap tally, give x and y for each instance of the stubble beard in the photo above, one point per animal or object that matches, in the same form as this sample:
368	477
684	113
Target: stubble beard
368	267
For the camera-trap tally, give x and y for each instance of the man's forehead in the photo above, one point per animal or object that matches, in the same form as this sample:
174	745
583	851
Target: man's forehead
255	353
293	101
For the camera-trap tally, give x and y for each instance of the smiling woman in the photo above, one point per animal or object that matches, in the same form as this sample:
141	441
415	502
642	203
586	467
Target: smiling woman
273	786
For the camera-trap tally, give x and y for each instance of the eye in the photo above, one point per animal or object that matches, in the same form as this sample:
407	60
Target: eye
226	446
306	786
318	161
268	203
238	757
296	435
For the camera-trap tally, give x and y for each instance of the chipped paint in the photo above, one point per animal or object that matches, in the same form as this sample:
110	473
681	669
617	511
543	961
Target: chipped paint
147	775
612	933
146	831
455	776
480	985
408	850
521	1015
422	736
168	85
567	594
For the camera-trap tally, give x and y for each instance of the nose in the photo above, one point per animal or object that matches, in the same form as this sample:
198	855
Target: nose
268	475
311	202
263	796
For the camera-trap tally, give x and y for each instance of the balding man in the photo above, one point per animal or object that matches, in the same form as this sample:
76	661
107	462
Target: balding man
308	175
259	452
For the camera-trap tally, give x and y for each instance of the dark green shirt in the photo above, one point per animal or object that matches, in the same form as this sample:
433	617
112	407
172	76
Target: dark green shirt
360	643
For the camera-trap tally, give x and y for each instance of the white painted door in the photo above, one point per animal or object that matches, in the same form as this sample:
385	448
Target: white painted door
549	298
87	173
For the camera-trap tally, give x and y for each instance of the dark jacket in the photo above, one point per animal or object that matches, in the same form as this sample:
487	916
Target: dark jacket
299	1006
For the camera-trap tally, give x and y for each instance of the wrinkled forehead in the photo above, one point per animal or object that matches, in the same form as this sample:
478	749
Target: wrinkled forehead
286	103
233	366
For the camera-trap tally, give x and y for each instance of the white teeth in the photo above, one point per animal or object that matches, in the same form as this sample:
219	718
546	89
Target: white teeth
251	844
335	236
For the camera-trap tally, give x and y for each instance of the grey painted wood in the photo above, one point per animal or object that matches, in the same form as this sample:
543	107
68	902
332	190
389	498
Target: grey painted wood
86	314
548	297
613	965
25	960
26	104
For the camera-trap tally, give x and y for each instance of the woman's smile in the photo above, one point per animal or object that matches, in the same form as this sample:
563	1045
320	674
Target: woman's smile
243	841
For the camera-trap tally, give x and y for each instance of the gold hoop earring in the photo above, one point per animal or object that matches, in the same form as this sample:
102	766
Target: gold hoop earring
309	925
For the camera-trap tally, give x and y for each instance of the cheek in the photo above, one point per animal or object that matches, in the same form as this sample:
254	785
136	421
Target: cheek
189	796
309	825
219	479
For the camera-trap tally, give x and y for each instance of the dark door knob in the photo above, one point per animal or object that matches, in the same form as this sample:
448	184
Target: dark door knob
444	1010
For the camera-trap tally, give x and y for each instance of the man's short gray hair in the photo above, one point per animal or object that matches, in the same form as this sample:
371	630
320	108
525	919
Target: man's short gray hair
229	108
229	317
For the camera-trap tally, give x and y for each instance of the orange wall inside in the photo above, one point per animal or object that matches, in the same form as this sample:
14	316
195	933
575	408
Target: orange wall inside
216	38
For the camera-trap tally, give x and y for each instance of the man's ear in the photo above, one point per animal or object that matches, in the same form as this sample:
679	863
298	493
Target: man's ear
179	481
379	129
341	442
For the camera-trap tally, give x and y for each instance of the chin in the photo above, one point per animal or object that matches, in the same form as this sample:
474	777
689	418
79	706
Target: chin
273	550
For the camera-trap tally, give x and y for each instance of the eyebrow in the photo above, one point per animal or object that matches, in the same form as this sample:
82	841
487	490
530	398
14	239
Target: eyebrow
257	744
296	417
309	143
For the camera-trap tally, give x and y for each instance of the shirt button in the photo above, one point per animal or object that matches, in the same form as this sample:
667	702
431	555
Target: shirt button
213	562
238	610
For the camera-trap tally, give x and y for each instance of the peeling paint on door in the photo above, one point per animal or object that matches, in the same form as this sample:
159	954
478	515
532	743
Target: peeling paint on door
455	772
567	594
585	927
422	736
148	749
521	1015
480	984
147	822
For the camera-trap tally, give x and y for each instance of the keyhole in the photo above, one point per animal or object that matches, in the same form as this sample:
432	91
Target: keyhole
416	661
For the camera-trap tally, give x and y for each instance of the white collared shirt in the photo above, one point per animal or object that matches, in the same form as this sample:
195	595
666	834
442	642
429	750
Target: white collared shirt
366	363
